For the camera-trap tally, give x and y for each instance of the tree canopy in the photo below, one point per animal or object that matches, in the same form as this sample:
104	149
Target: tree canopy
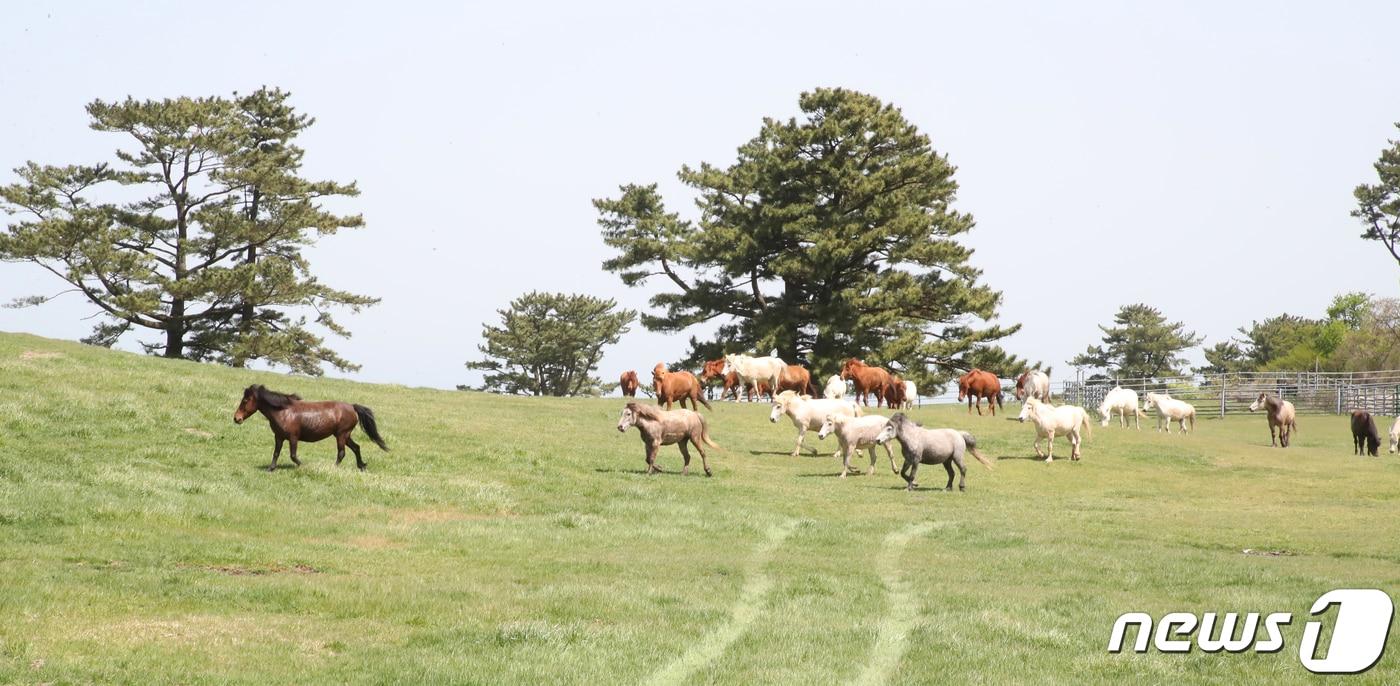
550	344
1140	344
1378	204
832	235
196	231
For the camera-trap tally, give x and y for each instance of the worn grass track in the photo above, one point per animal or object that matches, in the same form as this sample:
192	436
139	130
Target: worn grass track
516	540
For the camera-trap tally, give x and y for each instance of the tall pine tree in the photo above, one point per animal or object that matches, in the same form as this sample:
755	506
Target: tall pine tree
210	254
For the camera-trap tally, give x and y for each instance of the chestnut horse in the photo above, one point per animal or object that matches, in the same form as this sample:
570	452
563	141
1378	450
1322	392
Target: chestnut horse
714	370
895	393
293	420
629	384
867	380
797	378
732	384
677	386
979	384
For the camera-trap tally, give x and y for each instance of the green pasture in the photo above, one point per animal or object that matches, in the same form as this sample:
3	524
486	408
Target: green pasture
516	540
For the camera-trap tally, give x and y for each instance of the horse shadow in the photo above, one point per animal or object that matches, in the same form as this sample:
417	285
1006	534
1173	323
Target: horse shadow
262	466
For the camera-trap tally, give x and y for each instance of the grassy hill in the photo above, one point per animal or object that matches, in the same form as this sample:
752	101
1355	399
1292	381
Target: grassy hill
516	540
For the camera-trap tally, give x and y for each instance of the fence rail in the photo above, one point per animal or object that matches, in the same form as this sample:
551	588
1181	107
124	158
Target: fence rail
1312	392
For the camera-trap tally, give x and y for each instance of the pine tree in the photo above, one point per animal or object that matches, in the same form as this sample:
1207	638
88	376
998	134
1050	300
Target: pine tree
550	344
831	236
1141	344
211	253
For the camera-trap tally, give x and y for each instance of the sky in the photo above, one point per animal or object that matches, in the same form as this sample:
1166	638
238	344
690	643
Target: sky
1199	157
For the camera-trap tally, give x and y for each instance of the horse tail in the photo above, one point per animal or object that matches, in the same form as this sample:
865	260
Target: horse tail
696	395
1084	421
972	448
859	412
999	399
1193	419
369	426
705	434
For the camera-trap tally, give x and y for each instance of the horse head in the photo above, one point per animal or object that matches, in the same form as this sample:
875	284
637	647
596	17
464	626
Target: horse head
247	406
891	428
628	418
848	370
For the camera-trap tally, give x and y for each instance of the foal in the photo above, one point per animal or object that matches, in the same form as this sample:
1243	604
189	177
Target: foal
293	420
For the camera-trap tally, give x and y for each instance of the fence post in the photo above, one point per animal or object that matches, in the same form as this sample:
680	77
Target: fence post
1222	396
1339	399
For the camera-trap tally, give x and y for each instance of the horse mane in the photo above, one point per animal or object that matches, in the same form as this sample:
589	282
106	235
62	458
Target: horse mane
647	411
272	398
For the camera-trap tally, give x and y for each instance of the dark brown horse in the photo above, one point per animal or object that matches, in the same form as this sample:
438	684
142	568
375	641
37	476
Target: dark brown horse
867	380
1364	435
894	393
677	386
629	384
978	384
294	420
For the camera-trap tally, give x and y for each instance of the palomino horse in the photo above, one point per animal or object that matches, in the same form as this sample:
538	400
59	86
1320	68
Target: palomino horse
294	420
1033	384
977	385
867	380
930	446
1065	419
664	427
1282	417
629	384
752	370
677	386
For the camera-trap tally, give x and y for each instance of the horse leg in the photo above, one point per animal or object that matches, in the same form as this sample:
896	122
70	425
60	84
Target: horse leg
1050	447
912	479
652	449
704	461
355	447
340	447
889	453
276	452
685	456
979	406
292	450
1272	442
948	465
1074	446
845	460
801	436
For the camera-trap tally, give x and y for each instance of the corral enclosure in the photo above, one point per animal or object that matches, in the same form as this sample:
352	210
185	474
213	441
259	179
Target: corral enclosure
515	540
1221	394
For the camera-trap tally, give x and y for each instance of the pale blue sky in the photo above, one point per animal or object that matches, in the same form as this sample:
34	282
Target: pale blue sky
1193	156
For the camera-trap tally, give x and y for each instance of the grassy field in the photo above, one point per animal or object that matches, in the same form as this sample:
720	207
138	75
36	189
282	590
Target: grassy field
517	540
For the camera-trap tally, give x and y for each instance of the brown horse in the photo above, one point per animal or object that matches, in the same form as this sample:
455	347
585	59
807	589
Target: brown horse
677	386
1364	437
293	420
1283	417
978	384
659	428
894	393
867	380
629	384
797	378
714	372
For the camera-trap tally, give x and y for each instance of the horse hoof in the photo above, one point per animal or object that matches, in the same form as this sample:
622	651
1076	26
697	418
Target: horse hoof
708	474
949	489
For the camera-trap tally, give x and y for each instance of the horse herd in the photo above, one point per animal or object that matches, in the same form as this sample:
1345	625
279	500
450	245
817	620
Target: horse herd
793	395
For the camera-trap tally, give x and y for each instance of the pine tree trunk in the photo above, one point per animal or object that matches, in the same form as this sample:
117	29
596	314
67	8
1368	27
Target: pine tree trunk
175	330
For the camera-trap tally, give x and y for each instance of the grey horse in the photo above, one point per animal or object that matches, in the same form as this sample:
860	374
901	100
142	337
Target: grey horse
930	446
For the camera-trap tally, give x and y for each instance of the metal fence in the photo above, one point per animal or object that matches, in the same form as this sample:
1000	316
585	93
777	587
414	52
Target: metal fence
1313	392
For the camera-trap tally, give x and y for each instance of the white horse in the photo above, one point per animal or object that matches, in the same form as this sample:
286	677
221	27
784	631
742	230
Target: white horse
911	394
1122	400
1395	435
835	388
1065	419
1171	409
856	434
752	370
1033	383
807	413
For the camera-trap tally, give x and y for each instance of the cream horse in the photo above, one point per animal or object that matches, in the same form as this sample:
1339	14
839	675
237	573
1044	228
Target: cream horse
807	413
1065	419
1123	400
752	370
835	388
1171	409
